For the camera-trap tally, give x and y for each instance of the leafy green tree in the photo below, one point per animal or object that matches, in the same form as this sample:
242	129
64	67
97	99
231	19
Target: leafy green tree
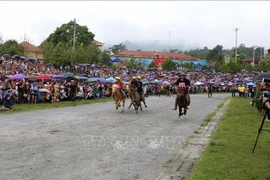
169	65
80	55
132	64
152	65
106	59
215	54
264	65
118	48
58	56
93	54
11	47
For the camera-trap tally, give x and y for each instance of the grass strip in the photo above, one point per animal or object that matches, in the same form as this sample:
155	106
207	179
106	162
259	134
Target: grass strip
229	154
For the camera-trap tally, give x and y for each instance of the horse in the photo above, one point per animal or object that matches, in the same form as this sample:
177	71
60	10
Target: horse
118	97
182	102
135	98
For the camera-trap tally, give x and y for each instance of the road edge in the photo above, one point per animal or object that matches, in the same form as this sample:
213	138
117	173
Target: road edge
180	165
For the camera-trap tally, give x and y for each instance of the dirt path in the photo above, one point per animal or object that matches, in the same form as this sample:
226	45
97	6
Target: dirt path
96	141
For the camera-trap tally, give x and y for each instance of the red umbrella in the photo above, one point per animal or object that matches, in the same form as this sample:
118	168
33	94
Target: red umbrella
44	77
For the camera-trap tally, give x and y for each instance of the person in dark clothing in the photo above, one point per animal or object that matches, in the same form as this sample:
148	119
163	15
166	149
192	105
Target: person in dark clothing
8	103
73	92
139	86
184	80
20	86
133	81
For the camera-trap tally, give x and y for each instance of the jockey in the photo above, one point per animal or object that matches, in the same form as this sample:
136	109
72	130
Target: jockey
182	79
133	81
139	86
121	85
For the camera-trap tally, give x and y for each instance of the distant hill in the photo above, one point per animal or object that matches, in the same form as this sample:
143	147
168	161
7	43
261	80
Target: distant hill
156	45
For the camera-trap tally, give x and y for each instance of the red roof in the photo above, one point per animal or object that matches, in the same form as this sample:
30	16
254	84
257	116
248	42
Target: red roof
29	47
153	54
98	43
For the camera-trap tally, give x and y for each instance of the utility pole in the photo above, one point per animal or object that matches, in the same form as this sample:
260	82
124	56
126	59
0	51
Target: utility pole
169	41
236	29
74	39
254	48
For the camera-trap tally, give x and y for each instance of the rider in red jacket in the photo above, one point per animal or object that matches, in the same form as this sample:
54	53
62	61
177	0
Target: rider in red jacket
121	85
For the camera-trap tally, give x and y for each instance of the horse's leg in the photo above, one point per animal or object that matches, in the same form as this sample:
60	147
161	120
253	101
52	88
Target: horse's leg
123	102
180	111
144	103
131	103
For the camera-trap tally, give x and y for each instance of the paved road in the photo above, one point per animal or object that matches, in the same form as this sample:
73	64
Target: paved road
96	141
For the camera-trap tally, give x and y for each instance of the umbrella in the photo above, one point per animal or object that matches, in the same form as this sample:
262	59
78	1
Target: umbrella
198	83
261	76
84	64
58	76
101	80
6	92
82	78
71	78
111	80
166	82
44	77
17	77
31	78
6	55
49	64
22	57
250	84
44	90
91	80
83	75
68	74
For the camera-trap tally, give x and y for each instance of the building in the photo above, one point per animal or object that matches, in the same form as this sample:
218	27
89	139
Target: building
99	44
144	58
250	61
31	51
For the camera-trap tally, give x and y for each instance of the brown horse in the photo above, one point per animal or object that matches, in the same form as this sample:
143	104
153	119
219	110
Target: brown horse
182	101
135	98
118	97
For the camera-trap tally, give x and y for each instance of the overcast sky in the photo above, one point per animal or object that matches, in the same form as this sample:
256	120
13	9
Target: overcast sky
190	23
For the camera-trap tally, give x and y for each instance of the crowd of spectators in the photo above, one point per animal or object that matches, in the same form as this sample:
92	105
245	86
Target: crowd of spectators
156	82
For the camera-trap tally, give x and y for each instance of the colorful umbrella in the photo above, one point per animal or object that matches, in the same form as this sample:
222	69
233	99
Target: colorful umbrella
91	80
58	76
17	77
101	80
111	80
44	77
68	74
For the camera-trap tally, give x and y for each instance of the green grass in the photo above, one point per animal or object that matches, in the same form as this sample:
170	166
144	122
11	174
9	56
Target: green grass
229	154
47	105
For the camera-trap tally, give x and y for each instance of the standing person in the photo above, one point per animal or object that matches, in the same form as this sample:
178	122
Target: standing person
184	80
73	92
233	91
33	92
20	86
209	90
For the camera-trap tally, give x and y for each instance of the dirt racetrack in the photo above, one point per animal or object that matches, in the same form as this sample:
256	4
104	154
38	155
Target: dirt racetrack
97	142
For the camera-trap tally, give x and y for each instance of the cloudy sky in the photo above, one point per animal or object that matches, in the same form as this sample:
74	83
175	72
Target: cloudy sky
191	24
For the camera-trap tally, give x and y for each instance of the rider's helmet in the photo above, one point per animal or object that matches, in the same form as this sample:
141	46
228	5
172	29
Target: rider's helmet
117	78
134	77
138	77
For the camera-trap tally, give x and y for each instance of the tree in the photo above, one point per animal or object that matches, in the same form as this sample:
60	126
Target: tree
265	64
64	34
93	54
1	39
118	48
131	64
106	59
215	54
152	65
58	57
169	65
11	47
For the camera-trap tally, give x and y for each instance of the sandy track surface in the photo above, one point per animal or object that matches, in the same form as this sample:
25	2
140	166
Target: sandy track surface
96	141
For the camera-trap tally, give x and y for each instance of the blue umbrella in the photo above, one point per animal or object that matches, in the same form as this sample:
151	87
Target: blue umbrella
58	76
111	80
22	57
83	75
6	55
250	84
6	92
101	80
81	78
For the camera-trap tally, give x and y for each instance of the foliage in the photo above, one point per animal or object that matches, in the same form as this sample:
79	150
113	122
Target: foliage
58	55
118	48
131	64
169	65
215	54
152	65
198	53
106	59
233	142
11	47
264	64
189	66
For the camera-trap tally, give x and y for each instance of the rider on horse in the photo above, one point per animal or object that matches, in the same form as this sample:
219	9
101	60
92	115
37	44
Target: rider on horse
133	81
121	85
184	80
139	86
